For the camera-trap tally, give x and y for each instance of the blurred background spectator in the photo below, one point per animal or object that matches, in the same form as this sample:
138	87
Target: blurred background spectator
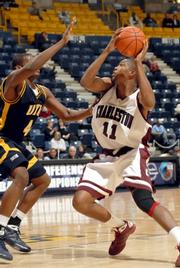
34	10
40	154
71	152
167	21
81	152
45	112
49	130
58	142
64	16
134	20
148	21
52	154
176	22
42	41
159	133
152	64
63	130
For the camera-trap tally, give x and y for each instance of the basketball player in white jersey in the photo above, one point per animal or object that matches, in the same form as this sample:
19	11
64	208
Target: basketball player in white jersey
121	128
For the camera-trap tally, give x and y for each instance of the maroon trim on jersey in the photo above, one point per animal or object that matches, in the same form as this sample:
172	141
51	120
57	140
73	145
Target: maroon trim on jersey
151	211
146	137
92	192
139	105
98	186
144	156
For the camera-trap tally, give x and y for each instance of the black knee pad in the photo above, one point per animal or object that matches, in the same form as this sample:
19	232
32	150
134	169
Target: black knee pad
144	200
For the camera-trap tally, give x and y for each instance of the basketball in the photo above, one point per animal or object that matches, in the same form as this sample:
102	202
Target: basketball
130	41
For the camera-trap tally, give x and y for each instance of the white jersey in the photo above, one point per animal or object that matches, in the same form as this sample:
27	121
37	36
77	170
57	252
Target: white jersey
118	123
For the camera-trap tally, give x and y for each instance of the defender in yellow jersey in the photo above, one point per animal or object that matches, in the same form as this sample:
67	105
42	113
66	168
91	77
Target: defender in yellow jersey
21	101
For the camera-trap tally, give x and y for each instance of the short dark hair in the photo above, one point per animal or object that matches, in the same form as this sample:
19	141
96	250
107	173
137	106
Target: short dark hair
19	60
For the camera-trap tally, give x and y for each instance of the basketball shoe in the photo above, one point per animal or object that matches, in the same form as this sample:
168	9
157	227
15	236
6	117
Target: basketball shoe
121	235
177	263
4	253
12	238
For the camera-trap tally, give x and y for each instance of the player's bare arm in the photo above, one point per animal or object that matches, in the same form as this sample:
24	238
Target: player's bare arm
90	80
62	112
146	96
14	81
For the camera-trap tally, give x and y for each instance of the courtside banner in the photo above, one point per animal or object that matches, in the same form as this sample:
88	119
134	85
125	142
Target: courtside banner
66	174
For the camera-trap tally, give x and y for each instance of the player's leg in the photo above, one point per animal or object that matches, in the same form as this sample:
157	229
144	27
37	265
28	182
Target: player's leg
143	197
85	203
145	201
38	186
85	197
13	163
33	192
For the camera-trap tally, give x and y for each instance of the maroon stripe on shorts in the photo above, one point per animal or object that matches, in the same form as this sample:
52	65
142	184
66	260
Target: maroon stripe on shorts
98	186
92	192
136	185
144	155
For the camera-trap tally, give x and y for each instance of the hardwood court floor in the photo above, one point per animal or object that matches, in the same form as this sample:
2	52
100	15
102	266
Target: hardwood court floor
60	237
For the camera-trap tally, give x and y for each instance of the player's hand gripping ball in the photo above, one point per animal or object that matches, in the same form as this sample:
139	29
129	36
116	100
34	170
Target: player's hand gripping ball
130	41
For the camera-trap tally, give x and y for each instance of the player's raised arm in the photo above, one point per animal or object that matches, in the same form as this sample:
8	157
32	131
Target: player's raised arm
146	96
90	80
16	77
63	112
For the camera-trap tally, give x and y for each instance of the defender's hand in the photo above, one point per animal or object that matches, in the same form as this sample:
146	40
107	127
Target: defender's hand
67	33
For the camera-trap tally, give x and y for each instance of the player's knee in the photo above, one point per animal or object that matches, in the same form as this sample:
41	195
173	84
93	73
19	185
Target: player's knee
21	177
144	201
46	181
80	201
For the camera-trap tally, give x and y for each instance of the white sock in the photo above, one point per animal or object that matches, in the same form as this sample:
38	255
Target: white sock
175	233
115	221
18	213
4	220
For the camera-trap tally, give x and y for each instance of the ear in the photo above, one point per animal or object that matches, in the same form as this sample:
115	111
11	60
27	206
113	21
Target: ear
132	74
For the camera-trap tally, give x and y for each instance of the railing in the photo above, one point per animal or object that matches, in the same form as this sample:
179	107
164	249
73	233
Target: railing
177	142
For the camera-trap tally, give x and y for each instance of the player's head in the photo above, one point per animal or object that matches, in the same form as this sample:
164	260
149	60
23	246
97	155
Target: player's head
20	60
126	69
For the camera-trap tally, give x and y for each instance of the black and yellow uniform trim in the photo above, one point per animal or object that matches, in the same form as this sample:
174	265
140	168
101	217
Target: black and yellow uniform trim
6	149
31	162
13	155
19	96
41	90
4	114
17	117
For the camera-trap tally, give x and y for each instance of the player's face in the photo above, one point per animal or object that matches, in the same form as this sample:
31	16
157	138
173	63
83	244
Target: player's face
120	70
36	73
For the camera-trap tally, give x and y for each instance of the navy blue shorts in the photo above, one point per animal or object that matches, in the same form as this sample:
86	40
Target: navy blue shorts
13	155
